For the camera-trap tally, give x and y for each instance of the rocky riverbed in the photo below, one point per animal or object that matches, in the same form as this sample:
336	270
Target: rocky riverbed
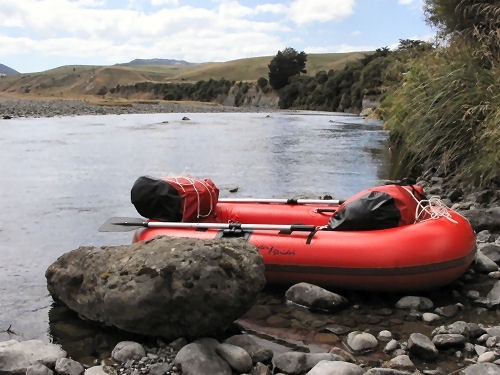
453	330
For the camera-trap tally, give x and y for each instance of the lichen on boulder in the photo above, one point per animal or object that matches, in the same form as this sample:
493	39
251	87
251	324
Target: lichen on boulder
170	287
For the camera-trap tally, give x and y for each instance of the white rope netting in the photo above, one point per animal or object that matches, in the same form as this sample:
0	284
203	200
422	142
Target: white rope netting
432	208
190	181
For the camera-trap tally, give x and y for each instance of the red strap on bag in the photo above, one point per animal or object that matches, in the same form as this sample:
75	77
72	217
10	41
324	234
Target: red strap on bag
200	197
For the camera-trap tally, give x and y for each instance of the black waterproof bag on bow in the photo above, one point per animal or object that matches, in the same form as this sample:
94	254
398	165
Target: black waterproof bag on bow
156	199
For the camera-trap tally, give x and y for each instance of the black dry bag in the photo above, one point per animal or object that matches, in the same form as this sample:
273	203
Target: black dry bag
374	210
156	199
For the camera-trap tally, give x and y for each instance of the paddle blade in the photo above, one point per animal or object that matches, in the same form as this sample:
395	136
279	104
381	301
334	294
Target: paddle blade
122	224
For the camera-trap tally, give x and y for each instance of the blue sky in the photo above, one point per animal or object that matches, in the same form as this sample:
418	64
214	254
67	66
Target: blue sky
37	35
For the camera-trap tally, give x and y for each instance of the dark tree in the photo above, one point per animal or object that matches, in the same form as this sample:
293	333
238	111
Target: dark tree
286	64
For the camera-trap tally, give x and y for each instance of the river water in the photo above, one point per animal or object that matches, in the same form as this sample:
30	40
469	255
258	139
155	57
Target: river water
63	177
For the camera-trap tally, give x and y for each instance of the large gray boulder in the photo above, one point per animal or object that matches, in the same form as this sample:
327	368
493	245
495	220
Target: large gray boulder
170	287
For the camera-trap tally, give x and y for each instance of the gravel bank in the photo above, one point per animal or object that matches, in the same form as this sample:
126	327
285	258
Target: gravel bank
13	108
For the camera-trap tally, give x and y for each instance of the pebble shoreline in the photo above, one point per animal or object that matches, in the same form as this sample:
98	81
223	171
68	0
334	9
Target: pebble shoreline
15	108
476	351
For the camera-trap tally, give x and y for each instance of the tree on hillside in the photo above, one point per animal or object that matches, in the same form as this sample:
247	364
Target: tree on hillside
284	65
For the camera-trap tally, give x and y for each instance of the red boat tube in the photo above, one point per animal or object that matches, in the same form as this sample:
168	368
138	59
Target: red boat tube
421	256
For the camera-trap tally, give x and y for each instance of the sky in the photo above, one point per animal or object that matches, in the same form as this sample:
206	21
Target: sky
37	35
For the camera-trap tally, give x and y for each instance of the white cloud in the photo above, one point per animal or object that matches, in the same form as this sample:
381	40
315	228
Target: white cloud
413	4
271	8
115	35
340	48
164	2
109	31
233	9
308	11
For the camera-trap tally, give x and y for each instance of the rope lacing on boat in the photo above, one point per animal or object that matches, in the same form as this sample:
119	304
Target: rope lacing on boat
432	208
191	181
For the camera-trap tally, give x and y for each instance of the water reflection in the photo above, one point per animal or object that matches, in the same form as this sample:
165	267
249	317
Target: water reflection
84	341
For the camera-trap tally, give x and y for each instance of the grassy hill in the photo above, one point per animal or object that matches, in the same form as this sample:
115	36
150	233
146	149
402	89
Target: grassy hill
77	81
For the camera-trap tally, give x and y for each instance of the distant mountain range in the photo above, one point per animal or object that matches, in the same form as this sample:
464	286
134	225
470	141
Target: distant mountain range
156	62
4	69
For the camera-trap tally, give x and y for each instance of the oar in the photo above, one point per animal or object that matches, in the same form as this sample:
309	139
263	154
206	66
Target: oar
124	224
282	200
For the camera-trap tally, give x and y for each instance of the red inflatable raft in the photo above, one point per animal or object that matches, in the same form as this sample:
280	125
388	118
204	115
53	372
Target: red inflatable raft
432	251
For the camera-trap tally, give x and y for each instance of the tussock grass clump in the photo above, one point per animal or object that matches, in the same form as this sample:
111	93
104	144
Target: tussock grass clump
446	114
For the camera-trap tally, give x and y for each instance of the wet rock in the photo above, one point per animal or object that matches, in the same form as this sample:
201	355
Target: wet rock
39	369
160	368
421	346
361	342
484	196
487	357
237	357
315	297
391	346
493	331
484	264
100	370
443	341
256	352
447	311
430	317
483	218
17	356
299	363
68	366
384	336
126	350
473	294
482	369
338	329
261	369
484	236
415	303
480	349
401	362
336	368
468	330
200	357
343	354
151	287
387	371
494	293
486	302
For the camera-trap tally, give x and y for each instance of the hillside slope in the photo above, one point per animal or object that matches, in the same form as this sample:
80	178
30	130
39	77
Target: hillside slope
79	81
